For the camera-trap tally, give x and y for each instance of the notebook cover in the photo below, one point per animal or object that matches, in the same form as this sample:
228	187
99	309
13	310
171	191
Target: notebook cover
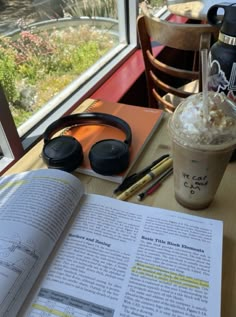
143	122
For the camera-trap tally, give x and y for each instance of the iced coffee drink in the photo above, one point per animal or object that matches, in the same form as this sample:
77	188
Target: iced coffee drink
202	144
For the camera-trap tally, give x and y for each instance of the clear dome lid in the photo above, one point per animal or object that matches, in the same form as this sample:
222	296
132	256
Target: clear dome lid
190	125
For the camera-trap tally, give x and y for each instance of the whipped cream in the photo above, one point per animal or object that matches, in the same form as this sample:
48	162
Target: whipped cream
192	124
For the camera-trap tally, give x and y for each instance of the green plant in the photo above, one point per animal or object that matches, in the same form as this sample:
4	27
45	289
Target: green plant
33	53
8	69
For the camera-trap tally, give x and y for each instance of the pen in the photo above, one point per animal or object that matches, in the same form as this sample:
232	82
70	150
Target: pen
130	180
157	170
154	186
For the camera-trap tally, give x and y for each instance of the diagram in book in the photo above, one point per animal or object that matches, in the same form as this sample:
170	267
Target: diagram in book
17	260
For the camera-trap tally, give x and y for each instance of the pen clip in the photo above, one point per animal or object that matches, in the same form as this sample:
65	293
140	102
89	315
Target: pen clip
157	183
130	180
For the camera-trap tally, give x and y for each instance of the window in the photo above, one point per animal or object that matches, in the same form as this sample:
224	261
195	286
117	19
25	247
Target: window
54	52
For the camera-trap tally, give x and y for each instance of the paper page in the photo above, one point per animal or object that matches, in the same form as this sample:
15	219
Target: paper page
34	209
123	259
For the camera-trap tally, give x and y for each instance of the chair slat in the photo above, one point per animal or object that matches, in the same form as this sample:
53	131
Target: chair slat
164	78
173	71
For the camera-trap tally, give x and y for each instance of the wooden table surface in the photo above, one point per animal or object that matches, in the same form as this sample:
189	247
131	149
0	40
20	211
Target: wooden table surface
223	206
192	9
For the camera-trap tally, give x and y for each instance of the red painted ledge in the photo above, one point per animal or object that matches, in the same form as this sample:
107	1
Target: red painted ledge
115	87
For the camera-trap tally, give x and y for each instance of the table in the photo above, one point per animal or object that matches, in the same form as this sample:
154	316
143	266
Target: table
223	206
192	9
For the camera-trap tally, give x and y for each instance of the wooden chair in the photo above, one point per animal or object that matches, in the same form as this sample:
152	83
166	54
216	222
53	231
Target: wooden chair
168	82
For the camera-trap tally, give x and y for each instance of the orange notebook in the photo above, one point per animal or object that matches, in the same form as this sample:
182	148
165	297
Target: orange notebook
143	122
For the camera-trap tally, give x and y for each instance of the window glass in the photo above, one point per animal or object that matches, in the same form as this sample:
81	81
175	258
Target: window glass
47	44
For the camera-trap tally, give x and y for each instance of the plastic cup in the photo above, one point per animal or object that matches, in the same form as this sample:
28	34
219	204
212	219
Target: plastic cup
201	147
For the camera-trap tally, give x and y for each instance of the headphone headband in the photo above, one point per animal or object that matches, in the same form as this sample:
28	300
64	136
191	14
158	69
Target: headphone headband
107	157
89	118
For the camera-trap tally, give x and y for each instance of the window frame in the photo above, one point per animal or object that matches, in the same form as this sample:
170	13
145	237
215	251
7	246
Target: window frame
22	140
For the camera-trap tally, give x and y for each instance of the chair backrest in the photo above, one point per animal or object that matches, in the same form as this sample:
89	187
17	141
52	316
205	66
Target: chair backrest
186	39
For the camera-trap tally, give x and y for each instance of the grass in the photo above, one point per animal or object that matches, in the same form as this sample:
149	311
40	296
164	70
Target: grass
95	8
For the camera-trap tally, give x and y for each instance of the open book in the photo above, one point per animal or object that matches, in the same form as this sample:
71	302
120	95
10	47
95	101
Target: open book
70	254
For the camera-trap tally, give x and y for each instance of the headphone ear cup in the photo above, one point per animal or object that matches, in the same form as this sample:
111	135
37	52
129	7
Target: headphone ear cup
63	152
109	157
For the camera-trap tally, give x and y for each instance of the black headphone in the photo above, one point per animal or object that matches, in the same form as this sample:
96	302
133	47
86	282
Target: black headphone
107	157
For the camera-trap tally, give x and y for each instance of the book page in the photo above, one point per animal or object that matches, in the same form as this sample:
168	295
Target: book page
123	259
34	209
